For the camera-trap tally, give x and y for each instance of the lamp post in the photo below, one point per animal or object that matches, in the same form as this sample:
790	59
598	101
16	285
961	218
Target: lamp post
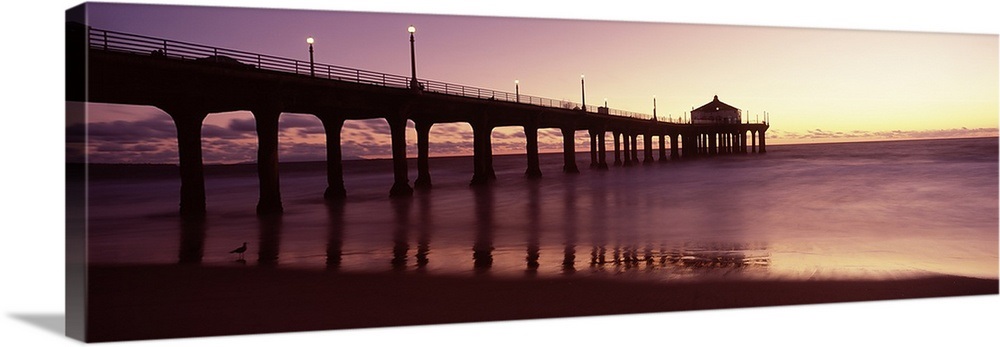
413	61
583	95
312	70
654	108
517	91
605	102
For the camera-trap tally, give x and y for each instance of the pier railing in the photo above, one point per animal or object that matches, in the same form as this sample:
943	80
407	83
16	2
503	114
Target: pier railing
146	45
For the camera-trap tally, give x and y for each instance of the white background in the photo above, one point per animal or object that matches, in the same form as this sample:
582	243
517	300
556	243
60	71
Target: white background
32	245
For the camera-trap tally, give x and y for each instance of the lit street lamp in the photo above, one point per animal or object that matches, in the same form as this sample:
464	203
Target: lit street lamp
413	61
583	95
312	70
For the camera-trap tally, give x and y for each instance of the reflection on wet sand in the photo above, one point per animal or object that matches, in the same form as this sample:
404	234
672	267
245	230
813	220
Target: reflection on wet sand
533	210
270	237
335	236
719	256
583	212
424	227
570	225
192	247
401	230
482	249
598	225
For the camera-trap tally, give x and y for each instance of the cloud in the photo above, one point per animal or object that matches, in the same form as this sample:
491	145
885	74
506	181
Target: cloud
355	125
294	126
378	126
549	134
500	136
145	148
111	147
228	152
231	133
298	121
242	124
353	148
130	131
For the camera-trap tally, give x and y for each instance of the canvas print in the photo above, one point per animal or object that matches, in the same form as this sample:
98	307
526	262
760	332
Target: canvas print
243	170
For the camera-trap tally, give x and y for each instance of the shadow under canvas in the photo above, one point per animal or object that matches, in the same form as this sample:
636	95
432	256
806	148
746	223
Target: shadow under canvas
51	322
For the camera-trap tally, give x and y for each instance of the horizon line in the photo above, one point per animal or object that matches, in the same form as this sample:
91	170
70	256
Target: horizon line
548	153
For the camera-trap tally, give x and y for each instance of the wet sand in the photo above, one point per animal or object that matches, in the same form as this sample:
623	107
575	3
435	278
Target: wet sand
171	301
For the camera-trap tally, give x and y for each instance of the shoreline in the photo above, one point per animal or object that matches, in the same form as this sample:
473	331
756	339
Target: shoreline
131	302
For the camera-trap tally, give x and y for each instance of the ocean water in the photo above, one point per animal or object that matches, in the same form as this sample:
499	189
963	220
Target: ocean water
877	210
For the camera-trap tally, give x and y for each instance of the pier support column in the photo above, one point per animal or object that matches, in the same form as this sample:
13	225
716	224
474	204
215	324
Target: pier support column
401	179
188	123
482	154
490	173
602	154
593	148
743	141
688	149
663	148
531	135
267	161
627	150
334	159
635	148
713	143
763	146
423	157
647	148
674	154
753	139
746	141
618	154
569	151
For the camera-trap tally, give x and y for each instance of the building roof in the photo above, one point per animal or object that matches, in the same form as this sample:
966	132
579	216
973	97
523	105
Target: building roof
714	106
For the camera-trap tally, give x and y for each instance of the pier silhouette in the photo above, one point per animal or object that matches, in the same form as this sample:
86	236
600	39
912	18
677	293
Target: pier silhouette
189	81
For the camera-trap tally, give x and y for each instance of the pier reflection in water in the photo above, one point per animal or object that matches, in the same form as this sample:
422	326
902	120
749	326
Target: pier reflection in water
548	225
192	246
335	238
270	239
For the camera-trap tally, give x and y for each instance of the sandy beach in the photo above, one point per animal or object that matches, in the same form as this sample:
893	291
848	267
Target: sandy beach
170	301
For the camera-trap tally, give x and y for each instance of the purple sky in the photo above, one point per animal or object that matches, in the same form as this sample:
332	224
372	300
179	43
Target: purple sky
816	85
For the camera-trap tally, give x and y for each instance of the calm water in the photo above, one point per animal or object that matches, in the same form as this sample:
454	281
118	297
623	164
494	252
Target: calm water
860	210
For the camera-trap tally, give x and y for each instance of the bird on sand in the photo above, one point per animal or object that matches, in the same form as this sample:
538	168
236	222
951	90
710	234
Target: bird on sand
240	250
